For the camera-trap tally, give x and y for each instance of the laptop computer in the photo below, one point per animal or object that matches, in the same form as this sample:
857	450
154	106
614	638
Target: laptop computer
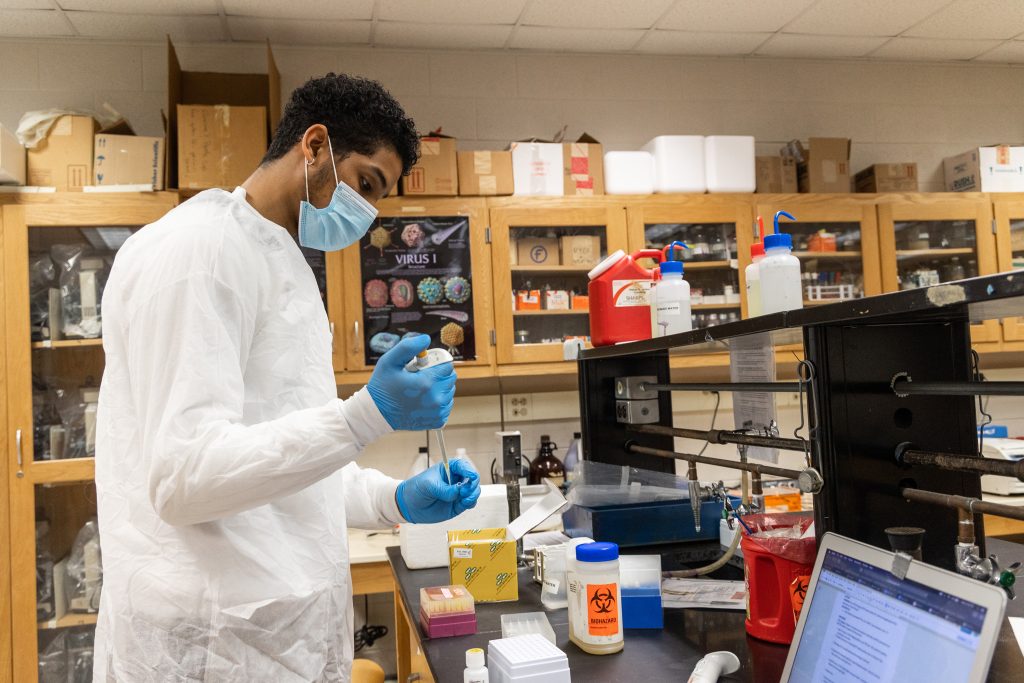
862	622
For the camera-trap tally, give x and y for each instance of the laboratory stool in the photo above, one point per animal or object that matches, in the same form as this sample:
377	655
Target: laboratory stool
367	671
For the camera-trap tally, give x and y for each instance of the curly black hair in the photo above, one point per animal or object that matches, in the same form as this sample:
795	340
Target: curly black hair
360	115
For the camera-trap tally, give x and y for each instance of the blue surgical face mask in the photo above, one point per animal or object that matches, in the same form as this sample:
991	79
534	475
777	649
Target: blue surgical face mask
339	224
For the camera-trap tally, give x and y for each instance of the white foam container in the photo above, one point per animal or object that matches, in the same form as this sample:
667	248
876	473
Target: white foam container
425	546
526	658
678	163
628	173
729	163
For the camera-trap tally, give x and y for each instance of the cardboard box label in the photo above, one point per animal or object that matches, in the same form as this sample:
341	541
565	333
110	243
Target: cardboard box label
462	553
627	293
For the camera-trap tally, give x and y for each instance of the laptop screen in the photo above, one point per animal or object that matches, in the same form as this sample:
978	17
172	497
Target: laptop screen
864	624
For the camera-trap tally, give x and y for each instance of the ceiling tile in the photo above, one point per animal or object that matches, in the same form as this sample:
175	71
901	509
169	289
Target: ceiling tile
1010	52
595	13
933	49
300	32
301	10
445	36
967	19
575	40
707	43
26	4
863	18
451	11
147	26
142	6
812	47
32	23
734	16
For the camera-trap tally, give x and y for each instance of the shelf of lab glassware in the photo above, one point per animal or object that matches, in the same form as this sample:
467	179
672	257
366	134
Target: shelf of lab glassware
554	270
913	254
67	343
64	471
709	307
530	313
69	619
836	255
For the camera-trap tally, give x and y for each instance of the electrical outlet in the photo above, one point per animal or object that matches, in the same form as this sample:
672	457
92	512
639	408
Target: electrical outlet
518	407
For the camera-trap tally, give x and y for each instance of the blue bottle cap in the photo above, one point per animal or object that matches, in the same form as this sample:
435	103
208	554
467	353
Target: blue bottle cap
780	239
671	267
597	552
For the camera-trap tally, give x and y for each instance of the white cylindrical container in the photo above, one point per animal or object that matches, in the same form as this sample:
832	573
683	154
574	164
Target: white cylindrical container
595	608
752	274
671	301
779	276
476	671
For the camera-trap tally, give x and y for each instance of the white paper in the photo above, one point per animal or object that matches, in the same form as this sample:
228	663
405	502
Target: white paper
1017	624
542	538
552	502
752	359
703	593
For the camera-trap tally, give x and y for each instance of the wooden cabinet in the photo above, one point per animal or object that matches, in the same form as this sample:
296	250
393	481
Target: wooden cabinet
933	238
383	291
56	255
526	256
1009	224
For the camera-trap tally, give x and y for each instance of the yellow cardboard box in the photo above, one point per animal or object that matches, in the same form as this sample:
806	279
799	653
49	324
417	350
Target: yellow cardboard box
484	561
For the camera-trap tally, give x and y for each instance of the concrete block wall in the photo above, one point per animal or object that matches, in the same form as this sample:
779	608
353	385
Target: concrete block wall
918	112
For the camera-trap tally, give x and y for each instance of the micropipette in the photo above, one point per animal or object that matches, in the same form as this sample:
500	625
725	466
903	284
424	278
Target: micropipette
422	361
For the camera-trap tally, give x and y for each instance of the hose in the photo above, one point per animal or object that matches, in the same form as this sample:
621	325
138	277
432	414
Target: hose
726	556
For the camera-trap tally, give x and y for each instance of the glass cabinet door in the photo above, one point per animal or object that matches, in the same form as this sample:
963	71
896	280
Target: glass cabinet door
836	242
422	268
541	257
718	235
57	258
937	240
1009	214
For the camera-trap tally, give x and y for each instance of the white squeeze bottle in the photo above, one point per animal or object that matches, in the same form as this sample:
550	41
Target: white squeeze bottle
779	273
475	671
671	298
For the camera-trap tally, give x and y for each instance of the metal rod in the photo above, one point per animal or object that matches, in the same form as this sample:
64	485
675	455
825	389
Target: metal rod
777	387
906	387
721	436
732	464
965	463
972	505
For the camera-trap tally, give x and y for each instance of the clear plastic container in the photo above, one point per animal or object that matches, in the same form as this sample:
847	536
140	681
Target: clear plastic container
527	622
553	589
595	605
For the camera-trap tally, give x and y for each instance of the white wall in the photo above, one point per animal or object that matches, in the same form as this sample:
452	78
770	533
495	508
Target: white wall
892	111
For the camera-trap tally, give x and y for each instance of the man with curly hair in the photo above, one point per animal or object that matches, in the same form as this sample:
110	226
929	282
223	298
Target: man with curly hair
225	462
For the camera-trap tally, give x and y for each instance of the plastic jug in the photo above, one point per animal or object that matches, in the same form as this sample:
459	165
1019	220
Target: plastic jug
619	293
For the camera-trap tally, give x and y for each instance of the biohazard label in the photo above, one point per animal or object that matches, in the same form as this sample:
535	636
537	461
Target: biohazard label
603	609
797	593
631	293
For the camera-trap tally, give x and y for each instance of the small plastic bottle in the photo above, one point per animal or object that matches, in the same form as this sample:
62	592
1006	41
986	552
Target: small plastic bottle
779	273
672	299
476	671
753	277
595	608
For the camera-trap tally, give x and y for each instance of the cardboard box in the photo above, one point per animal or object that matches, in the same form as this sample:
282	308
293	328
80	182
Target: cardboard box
887	178
776	175
581	250
583	167
537	169
485	173
218	145
64	158
999	168
580	302
211	88
437	171
484	560
12	159
128	160
537	251
825	166
556	300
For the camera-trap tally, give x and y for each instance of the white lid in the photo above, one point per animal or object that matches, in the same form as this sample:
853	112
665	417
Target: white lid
608	262
475	658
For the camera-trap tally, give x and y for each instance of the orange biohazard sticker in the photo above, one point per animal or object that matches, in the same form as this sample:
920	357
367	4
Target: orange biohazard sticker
797	593
603	609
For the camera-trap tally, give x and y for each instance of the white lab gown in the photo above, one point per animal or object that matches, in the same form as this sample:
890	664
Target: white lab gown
224	460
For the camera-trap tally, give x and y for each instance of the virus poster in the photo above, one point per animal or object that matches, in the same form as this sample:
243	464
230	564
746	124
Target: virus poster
417	279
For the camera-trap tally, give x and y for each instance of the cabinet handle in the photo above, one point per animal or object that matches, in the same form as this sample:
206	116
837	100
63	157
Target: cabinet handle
17	446
355	335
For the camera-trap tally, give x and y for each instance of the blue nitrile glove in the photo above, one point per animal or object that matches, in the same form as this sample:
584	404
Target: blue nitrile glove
428	497
412	401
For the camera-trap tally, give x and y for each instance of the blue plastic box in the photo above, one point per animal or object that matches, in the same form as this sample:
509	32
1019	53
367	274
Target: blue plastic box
640	524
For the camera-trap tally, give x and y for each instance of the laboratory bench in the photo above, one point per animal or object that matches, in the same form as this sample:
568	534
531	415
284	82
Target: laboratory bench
667	654
368	560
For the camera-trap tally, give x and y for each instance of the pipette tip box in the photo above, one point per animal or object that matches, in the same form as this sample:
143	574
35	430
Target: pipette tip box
528	657
447	611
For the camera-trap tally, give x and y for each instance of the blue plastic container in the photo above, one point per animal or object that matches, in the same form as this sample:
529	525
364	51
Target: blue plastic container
641	608
641	524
